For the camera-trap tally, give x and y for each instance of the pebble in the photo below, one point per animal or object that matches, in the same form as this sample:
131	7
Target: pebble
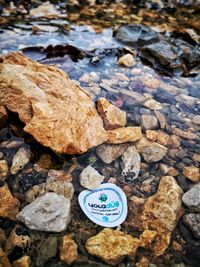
192	173
68	250
90	178
50	213
124	135
153	104
155	152
20	159
130	164
108	153
3	170
149	122
192	221
24	261
126	60
192	198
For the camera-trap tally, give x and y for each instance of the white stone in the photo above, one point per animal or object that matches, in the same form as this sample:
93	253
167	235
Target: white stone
130	164
90	178
50	213
20	159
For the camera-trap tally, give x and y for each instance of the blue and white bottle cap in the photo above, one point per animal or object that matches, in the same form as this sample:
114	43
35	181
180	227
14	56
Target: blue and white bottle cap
105	206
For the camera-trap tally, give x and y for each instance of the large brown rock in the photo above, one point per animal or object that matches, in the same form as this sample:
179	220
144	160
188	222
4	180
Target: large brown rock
9	205
58	113
162	212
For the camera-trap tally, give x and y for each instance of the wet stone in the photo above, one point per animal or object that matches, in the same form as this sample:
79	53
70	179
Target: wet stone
50	212
192	221
192	198
126	60
164	97
130	164
149	122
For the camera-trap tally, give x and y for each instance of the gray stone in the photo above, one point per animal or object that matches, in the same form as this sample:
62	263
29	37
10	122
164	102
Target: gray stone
130	164
192	198
108	153
154	152
149	122
20	159
192	221
90	178
50	213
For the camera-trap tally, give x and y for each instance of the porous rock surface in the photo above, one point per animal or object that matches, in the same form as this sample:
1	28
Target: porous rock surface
58	113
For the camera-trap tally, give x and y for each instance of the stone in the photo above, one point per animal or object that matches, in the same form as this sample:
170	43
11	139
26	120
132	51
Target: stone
196	157
89	77
162	212
127	60
4	261
108	153
17	239
3	116
149	122
50	213
2	237
158	136
3	170
196	119
142	144
24	261
131	97
155	152
9	205
47	102
187	135
124	135
103	245
46	10
192	173
20	159
192	198
60	175
62	188
153	104
45	161
192	221
68	250
112	116
161	118
130	164
90	178
143	262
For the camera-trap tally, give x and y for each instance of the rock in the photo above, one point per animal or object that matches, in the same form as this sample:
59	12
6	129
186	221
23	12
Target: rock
164	97
24	261
196	119
90	178
149	122
45	161
131	97
142	144
143	262
192	221
68	250
62	188
153	104
159	136
2	237
108	153
20	159
162	212
46	10
192	173
187	135
90	77
162	120
9	205
112	116
130	164
49	102
103	245
196	157
17	238
192	198
126	60
3	116
60	175
124	135
4	261
50	213
155	152
189	100
134	33
3	170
